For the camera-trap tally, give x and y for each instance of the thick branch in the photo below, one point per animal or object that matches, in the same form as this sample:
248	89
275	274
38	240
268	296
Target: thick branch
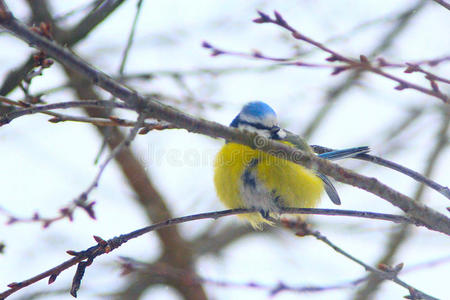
432	219
116	242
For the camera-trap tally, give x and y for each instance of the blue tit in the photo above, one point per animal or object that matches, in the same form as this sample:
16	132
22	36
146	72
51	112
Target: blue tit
249	178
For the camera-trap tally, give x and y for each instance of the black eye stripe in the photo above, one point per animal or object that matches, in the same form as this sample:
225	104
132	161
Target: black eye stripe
272	130
256	125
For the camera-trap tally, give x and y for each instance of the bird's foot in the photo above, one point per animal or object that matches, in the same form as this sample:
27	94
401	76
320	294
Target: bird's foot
265	214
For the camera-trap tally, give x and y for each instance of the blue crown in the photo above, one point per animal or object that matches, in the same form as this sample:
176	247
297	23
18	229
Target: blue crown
255	109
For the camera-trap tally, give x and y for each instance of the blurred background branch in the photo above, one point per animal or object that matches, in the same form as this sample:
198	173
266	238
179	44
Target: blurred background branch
159	55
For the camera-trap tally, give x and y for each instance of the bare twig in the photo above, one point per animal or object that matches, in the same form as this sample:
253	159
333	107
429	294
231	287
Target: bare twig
104	247
444	190
384	272
68	38
112	121
347	63
84	7
429	217
81	200
333	94
123	62
443	3
130	265
399	237
382	63
60	105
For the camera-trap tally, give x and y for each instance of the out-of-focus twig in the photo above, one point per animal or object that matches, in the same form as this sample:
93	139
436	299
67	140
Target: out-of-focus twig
123	62
444	190
7	118
384	272
111	121
103	247
443	3
129	265
398	238
347	63
333	94
68	38
432	219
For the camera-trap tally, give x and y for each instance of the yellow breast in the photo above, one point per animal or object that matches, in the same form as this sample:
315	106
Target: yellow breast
296	185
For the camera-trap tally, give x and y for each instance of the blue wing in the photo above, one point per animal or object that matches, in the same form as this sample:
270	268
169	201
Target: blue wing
338	154
344	153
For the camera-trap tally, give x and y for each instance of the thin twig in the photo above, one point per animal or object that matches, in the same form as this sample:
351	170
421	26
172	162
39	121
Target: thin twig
107	133
443	3
68	38
104	247
82	199
399	237
433	219
348	63
382	63
333	94
112	121
444	190
385	272
130	38
130	265
7	118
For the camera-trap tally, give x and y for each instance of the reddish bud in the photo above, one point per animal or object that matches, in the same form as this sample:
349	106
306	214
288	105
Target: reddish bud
384	267
257	54
412	68
24	104
14	285
46	223
12	220
46	63
217	52
434	86
72	253
206	45
55	120
90	210
279	18
333	58
339	70
264	17
297	35
144	130
52	278
398	267
364	59
382	62
35	216
117	120
259	21
401	86
100	241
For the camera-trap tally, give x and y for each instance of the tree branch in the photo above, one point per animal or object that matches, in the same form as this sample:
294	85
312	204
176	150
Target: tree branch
432	219
348	63
105	247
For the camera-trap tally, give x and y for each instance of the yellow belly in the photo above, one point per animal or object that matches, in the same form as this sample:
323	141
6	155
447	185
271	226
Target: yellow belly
296	185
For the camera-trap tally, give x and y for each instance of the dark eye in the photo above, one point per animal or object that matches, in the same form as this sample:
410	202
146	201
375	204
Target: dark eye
274	130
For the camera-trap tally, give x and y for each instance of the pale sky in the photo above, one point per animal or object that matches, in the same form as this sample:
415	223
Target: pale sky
44	166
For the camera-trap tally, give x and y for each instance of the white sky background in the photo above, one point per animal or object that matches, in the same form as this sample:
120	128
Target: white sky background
44	166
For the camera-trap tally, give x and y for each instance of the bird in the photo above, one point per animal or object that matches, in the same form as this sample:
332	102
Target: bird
249	178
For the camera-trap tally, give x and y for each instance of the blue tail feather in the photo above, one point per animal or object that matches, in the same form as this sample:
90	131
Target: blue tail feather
344	153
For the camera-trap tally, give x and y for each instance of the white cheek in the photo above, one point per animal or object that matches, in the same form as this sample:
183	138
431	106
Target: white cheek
268	120
282	134
261	132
